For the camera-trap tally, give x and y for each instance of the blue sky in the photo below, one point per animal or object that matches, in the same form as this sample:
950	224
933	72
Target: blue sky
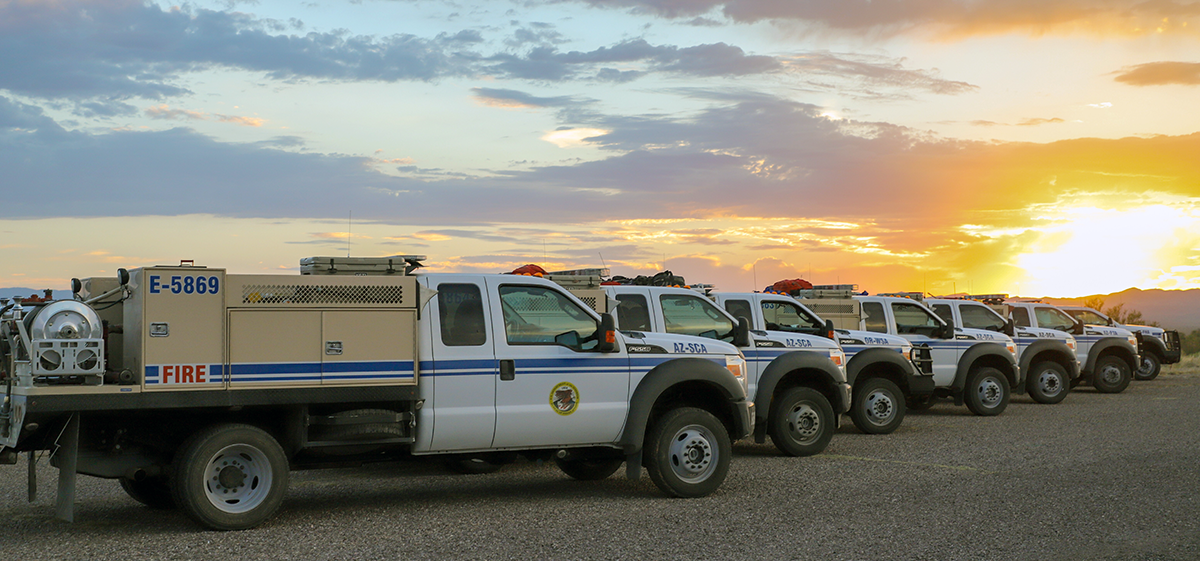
1005	146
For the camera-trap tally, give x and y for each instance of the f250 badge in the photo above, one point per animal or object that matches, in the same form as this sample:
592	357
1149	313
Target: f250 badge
564	398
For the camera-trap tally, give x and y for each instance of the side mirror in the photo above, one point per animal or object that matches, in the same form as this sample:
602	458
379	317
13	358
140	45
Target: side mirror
607	335
1078	330
946	332
1010	328
741	333
830	332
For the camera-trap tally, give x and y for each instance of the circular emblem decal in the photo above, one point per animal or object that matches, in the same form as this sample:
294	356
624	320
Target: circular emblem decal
564	398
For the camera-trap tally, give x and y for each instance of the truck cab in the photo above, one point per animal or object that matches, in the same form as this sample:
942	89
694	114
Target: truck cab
1158	346
1046	356
880	368
1108	355
974	366
798	381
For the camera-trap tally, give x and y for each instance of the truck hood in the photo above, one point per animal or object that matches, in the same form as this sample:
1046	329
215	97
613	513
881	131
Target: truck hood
870	338
798	341
981	335
1042	333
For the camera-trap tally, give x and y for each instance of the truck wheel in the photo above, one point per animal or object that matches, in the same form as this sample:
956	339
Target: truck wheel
877	407
986	391
688	452
230	477
589	469
800	422
1149	367
1047	382
151	491
1112	375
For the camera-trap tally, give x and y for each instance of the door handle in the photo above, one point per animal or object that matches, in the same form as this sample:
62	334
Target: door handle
508	370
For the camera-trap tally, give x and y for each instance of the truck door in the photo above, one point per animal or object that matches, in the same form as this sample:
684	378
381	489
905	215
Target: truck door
464	367
918	325
553	387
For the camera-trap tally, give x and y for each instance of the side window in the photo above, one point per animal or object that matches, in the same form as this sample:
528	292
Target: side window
460	311
912	318
740	309
536	315
980	317
1021	317
1053	318
632	312
785	316
943	311
695	315
875	320
1089	317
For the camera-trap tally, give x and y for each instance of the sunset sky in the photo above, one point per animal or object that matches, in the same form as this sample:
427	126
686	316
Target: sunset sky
1034	147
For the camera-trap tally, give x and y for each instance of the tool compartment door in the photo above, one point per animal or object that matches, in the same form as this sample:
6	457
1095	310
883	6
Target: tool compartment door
275	348
369	347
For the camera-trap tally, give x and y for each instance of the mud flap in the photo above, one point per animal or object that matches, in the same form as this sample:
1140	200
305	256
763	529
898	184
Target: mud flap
66	458
633	466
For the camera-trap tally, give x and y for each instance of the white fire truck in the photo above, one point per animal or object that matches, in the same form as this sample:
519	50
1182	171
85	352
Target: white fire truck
1046	356
1108	355
1158	346
200	389
880	368
971	366
797	381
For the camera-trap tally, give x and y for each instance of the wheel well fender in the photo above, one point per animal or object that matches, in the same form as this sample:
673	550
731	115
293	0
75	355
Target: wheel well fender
1112	346
1154	345
986	354
1052	350
799	368
880	359
692	381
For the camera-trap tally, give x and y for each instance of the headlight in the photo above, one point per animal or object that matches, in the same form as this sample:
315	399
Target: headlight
1133	341
838	357
906	352
736	365
1071	343
1012	348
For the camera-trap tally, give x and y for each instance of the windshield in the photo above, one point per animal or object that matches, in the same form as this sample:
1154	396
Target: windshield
694	315
1053	318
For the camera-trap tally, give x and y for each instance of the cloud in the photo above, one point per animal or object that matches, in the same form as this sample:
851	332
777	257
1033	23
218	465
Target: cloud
1161	74
513	99
547	63
164	112
875	71
945	18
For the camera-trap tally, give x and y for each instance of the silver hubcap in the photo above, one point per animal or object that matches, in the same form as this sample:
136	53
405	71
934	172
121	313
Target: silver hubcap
693	456
237	478
880	406
1147	366
990	392
804	422
1111	374
1049	382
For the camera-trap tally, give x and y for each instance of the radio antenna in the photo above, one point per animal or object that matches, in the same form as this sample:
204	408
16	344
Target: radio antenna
349	221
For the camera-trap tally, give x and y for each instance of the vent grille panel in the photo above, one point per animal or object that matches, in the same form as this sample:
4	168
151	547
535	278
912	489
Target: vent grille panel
297	294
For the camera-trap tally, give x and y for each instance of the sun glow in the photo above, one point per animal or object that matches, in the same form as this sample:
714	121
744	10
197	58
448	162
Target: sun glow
1089	250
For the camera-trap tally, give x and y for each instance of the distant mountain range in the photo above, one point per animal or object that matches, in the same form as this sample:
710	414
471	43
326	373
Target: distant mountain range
1173	309
27	292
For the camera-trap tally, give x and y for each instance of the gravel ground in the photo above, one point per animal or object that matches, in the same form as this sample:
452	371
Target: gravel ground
1110	477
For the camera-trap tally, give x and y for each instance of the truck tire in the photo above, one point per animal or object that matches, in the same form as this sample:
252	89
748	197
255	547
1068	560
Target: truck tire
688	452
1112	375
800	422
589	469
1047	382
230	477
877	406
1148	368
151	491
986	392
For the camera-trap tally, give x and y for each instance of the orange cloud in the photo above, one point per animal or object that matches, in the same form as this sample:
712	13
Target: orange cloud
164	112
1161	74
